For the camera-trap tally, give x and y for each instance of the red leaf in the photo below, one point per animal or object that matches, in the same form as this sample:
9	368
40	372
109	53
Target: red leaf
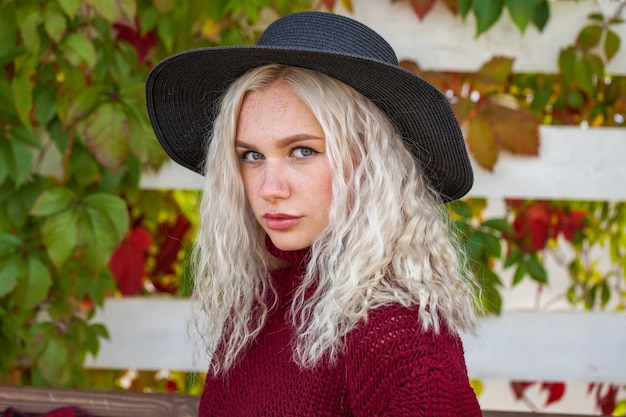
328	4
171	385
141	43
422	7
140	238
591	386
608	401
127	265
519	387
538	223
514	129
170	245
568	223
555	389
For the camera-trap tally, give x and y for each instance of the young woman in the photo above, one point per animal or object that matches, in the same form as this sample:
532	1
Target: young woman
328	281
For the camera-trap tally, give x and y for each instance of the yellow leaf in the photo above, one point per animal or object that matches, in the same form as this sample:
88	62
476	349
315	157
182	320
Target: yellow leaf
514	129
210	29
347	4
477	386
480	141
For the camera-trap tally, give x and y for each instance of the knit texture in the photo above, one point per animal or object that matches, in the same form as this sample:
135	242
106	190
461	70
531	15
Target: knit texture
389	367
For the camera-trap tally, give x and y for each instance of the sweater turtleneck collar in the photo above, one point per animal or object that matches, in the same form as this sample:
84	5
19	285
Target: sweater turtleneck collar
291	257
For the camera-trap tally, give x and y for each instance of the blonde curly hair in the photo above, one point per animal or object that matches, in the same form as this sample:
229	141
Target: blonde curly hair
387	240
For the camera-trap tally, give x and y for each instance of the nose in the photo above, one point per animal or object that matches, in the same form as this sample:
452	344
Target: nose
274	182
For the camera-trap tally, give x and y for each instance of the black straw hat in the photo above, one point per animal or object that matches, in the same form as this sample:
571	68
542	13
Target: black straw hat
183	89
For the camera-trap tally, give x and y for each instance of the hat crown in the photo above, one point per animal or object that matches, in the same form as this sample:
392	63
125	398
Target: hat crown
327	32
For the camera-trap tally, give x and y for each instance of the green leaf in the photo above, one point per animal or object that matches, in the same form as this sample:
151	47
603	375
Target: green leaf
536	270
611	44
575	99
9	244
464	7
22	96
106	131
60	308
542	14
21	162
9	52
492	245
53	201
115	10
584	75
522	12
94	333
589	37
567	63
166	33
29	19
80	106
461	208
45	99
514	257
98	237
541	97
4	162
481	142
54	22
10	270
605	294
77	49
60	235
113	208
144	146
53	361
149	20
520	272
25	136
499	224
70	7
598	17
83	167
476	246
487	13
33	289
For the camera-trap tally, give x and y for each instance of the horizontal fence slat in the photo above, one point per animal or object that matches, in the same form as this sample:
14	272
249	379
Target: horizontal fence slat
443	42
573	163
152	334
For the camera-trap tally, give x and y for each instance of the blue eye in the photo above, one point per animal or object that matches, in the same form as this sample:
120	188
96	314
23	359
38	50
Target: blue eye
303	152
251	156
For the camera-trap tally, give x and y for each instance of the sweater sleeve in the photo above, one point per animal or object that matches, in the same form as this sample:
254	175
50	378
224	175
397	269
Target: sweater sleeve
394	368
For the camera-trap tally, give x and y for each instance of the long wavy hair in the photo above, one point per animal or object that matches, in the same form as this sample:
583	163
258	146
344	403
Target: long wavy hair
387	239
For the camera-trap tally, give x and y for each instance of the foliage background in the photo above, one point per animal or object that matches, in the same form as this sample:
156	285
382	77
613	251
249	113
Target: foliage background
75	227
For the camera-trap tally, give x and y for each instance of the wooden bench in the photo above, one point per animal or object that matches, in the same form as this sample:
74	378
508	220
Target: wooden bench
131	404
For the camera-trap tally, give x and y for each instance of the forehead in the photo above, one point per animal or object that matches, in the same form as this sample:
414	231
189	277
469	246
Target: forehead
275	112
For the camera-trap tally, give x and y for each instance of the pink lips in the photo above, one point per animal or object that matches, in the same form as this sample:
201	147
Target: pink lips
280	221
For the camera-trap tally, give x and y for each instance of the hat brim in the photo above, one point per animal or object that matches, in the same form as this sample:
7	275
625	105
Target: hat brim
182	90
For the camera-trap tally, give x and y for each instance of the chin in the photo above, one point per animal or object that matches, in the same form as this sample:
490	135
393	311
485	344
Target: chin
288	243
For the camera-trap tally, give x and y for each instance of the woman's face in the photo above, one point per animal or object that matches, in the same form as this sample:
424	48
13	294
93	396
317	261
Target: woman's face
285	171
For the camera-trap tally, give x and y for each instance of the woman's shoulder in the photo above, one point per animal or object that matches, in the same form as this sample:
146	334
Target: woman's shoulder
403	329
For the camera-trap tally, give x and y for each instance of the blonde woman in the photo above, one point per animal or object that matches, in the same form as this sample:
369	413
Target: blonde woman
328	282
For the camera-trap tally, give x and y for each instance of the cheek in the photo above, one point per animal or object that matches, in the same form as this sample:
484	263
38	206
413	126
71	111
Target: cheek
248	186
324	191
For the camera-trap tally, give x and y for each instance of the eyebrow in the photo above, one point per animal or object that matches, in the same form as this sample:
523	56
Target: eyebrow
283	143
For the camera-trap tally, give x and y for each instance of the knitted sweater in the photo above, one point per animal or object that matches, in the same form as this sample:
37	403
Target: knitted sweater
389	367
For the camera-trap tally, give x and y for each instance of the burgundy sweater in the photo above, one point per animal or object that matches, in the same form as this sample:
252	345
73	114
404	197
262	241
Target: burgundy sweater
389	367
